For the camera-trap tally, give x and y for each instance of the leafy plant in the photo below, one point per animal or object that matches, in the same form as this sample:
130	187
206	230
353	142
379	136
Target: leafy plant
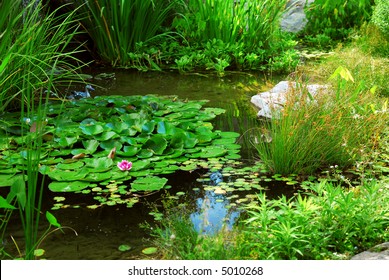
336	18
380	17
85	139
325	222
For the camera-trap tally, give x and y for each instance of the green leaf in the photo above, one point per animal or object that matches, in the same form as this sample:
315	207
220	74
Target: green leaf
150	250
69	166
157	144
52	219
124	248
152	183
99	164
4	204
91	145
18	189
92	129
66	141
39	252
68	186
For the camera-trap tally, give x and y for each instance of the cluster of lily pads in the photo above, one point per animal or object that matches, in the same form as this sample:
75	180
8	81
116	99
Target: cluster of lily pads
84	140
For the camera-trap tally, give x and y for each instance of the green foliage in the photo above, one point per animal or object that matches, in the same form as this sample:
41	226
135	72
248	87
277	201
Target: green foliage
336	127
223	34
33	52
82	141
330	20
381	17
117	28
33	58
212	35
326	222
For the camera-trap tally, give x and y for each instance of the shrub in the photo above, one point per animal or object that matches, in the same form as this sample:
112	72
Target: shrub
381	16
336	18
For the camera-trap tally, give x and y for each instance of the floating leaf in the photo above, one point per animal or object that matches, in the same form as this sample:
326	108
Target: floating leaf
124	248
91	129
150	250
39	252
152	183
68	186
157	144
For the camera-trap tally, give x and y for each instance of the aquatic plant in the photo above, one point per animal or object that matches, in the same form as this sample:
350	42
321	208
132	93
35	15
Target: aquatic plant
229	34
34	46
84	141
333	127
124	165
33	58
116	28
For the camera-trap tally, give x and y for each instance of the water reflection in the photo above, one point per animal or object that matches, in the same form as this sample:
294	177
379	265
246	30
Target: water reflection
213	214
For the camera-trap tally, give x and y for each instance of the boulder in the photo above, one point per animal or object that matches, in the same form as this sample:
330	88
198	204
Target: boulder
272	101
294	19
379	252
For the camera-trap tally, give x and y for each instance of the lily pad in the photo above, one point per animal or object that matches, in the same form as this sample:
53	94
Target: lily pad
150	250
68	186
152	183
124	248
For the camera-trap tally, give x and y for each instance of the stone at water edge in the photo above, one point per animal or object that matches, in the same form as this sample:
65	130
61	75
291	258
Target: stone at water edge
379	252
272	101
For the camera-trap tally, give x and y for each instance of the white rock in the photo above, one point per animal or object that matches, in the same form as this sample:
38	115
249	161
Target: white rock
272	101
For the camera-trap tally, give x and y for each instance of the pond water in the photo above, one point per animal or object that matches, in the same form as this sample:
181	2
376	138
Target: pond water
101	231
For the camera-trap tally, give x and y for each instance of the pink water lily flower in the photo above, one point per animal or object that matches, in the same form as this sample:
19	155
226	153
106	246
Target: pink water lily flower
125	165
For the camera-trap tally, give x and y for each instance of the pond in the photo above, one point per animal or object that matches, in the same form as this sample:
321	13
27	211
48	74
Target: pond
101	231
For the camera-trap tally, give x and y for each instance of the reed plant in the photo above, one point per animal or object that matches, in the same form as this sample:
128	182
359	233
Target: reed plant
252	23
118	28
34	45
335	127
34	59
